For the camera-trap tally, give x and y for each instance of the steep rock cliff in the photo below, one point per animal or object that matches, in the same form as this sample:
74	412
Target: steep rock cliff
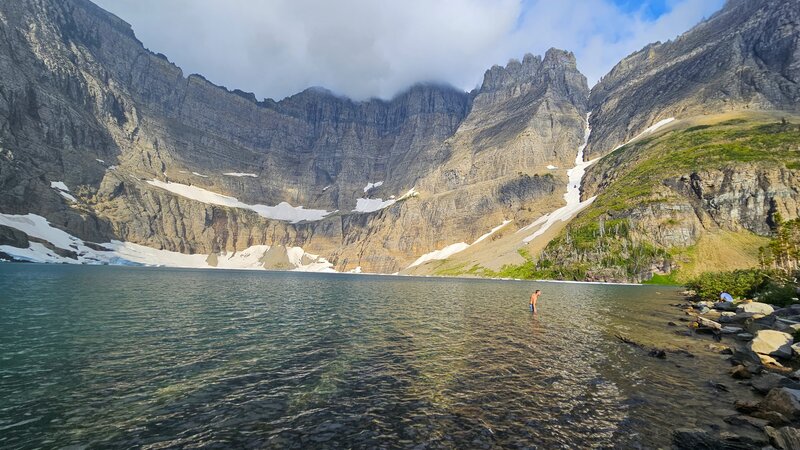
83	103
746	56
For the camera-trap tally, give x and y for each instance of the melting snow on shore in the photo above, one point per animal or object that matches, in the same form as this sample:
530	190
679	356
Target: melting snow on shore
452	249
282	211
128	253
572	197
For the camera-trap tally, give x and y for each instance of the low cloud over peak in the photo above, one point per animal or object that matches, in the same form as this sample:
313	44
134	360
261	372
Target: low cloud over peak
363	48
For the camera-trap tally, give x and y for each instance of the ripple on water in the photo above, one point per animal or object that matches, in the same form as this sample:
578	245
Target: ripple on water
120	357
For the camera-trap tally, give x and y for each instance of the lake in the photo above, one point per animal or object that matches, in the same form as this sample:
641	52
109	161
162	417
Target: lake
103	356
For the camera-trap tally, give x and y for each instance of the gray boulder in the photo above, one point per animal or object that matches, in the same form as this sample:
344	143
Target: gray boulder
773	343
756	308
769	381
784	401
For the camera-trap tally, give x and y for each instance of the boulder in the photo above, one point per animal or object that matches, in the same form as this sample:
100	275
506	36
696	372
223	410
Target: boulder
697	438
742	420
740	372
796	349
784	401
773	343
795	375
756	308
731	330
786	438
770	381
705	323
744	336
725	306
769	361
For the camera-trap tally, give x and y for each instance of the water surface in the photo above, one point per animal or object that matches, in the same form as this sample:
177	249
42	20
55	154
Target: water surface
103	357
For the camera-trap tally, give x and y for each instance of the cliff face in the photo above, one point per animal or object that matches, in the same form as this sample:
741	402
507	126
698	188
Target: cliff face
700	195
83	103
746	56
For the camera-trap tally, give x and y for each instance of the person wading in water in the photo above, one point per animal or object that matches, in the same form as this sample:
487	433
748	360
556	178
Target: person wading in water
534	297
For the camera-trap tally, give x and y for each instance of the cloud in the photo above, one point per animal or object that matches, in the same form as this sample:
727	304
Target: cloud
367	48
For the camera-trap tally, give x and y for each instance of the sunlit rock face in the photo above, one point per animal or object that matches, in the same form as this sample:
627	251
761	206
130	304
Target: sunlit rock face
746	56
85	104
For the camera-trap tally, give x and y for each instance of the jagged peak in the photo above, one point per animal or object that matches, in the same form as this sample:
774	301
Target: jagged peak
516	72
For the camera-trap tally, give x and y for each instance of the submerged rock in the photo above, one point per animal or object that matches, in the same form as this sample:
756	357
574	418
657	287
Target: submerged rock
696	438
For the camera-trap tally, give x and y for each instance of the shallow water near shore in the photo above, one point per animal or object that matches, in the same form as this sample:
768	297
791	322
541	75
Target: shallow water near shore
102	356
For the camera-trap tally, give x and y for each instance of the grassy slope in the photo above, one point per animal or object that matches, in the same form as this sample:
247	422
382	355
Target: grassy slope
599	240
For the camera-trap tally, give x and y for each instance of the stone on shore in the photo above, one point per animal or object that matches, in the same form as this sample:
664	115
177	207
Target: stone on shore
741	372
697	438
769	381
743	420
744	336
756	308
784	401
786	438
772	343
732	330
725	306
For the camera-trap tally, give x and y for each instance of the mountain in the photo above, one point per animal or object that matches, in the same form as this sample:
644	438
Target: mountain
111	143
109	154
711	157
745	57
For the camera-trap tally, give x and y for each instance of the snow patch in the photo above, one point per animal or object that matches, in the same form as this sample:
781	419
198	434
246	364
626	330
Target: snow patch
552	167
62	189
282	211
368	205
444	253
572	197
492	231
200	175
411	193
452	249
240	174
371	186
128	253
59	185
100	161
68	196
649	130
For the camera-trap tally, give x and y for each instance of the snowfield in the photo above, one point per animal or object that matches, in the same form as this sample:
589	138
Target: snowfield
128	253
370	186
452	249
282	211
240	174
572	197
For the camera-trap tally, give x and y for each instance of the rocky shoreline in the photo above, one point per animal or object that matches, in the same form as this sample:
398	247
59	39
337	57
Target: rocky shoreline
764	347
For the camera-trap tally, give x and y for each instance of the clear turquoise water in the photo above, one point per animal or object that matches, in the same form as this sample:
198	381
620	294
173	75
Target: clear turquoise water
115	357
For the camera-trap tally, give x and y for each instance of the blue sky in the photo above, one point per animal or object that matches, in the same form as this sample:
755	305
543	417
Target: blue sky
368	48
650	10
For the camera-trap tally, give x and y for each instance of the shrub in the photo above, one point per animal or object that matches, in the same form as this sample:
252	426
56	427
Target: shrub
739	283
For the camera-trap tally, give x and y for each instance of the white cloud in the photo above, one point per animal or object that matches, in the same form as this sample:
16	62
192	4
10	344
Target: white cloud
364	48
